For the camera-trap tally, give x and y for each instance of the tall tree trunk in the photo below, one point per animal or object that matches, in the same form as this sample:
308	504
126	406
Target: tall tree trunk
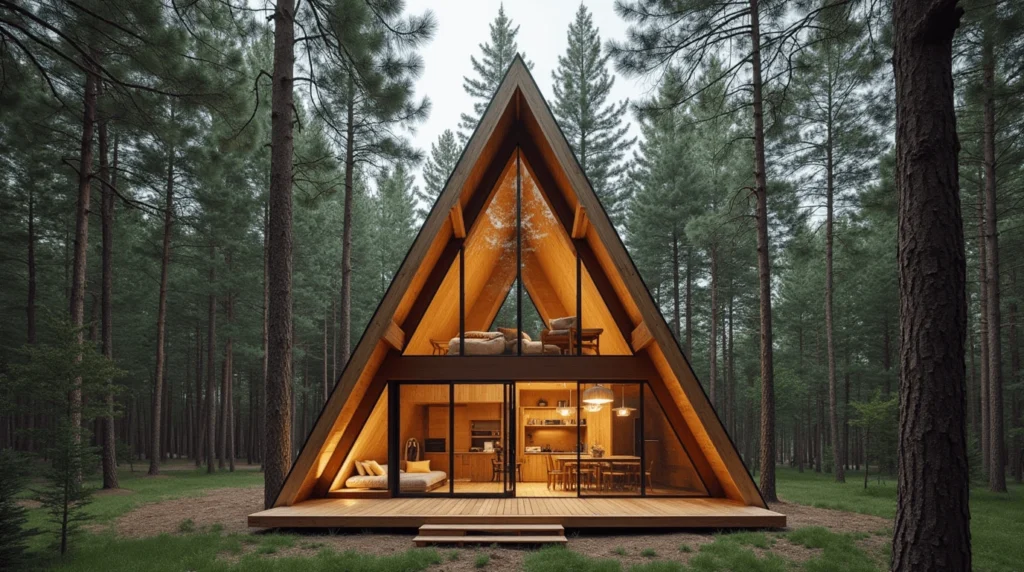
229	380
266	316
227	387
109	458
1016	451
278	455
688	303
211	367
997	445
199	402
30	302
763	268
676	320
30	316
830	344
326	383
932	519
713	340
81	249
730	371
161	320
983	324
346	233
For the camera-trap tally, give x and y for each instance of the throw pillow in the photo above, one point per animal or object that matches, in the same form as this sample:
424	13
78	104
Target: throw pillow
417	466
375	468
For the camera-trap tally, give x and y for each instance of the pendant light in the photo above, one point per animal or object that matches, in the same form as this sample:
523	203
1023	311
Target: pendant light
567	410
596	397
622	410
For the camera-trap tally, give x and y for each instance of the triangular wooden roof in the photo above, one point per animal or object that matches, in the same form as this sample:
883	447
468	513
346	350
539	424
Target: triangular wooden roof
518	120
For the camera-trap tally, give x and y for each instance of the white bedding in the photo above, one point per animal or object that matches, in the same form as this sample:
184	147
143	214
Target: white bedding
407	482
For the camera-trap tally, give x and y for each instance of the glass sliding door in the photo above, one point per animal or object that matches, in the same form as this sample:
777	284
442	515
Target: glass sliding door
480	432
452	439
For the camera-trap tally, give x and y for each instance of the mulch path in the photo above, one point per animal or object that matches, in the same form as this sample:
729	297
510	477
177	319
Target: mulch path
228	508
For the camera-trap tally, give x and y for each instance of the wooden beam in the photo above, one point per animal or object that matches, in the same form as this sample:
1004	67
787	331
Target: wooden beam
579	222
458	223
641	337
533	368
394	336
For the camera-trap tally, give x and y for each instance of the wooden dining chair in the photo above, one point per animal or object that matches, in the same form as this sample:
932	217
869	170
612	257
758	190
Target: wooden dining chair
554	473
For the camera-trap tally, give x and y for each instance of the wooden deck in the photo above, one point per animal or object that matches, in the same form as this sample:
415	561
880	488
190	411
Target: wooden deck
569	512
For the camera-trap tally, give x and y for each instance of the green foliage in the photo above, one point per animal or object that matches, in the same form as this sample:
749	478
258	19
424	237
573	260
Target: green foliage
444	154
496	57
481	560
14	530
559	559
839	551
64	495
648	553
593	127
619	551
724	554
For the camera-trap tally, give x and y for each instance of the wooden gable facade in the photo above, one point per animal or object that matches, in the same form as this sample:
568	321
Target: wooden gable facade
456	277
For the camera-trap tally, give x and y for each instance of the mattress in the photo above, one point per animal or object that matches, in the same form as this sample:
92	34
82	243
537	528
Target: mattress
407	482
479	347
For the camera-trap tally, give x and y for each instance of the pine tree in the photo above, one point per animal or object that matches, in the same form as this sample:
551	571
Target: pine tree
497	57
592	126
439	166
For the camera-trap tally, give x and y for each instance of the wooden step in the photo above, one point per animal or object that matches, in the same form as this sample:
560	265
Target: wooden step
484	539
505	529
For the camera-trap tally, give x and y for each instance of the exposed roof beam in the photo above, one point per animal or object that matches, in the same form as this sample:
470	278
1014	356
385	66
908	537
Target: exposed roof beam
579	222
641	337
394	336
458	223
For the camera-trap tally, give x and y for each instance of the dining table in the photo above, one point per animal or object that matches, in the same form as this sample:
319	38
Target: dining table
600	464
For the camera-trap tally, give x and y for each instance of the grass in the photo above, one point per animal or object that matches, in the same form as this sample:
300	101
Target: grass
996	524
996	531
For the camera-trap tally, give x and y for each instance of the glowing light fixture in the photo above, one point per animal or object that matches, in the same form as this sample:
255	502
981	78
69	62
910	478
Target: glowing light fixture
622	410
596	397
567	410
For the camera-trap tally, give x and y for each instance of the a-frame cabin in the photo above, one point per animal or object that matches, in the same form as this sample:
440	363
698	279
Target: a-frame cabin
601	425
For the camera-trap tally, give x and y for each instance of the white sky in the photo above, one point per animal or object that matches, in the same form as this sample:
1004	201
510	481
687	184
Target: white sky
463	25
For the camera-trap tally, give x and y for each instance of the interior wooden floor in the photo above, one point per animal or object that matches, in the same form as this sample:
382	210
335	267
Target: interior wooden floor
570	512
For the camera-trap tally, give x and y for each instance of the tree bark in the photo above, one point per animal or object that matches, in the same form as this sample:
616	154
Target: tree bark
713	340
932	519
200	404
997	445
676	320
30	302
211	368
161	318
1015	453
983	405
278	457
763	268
229	380
688	303
830	345
81	248
109	456
346	237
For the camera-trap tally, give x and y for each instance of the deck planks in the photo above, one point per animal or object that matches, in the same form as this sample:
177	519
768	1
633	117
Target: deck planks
570	512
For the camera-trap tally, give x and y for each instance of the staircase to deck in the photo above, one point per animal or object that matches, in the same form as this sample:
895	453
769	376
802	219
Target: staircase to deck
459	534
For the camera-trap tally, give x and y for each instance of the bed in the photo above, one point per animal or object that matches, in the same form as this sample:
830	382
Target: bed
407	482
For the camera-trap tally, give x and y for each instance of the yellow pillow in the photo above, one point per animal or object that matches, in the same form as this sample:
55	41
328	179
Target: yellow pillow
417	466
375	468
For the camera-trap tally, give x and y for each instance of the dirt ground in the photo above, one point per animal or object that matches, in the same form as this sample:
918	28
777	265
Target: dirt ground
228	508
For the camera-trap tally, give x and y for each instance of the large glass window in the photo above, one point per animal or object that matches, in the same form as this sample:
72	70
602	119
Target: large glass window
611	463
668	468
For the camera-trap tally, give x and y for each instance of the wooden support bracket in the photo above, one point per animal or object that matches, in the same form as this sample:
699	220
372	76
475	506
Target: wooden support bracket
394	336
458	222
641	337
579	223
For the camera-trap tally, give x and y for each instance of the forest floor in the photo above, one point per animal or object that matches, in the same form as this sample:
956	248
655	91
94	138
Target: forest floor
190	520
